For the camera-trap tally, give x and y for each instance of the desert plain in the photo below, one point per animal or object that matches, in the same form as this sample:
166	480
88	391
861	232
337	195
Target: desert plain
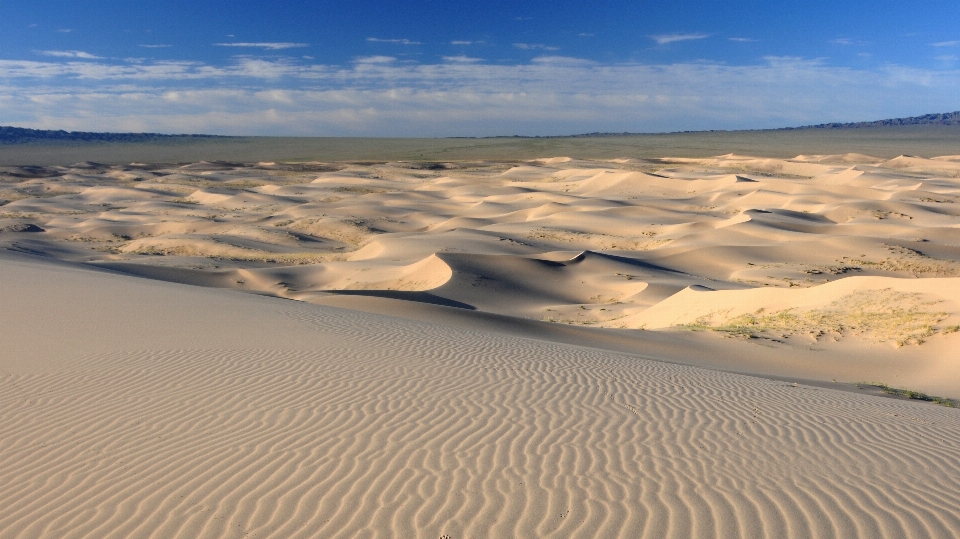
545	346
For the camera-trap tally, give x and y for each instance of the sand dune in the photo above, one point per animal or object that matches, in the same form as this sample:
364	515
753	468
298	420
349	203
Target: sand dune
170	411
557	347
885	309
482	235
475	234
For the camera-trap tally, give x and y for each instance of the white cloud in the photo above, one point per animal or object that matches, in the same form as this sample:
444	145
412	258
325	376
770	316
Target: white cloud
380	96
155	71
946	44
663	39
70	54
535	46
154	46
847	41
394	41
268	45
375	60
65	30
565	61
461	42
462	59
743	39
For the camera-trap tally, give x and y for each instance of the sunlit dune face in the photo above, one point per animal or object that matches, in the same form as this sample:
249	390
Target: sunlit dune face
594	243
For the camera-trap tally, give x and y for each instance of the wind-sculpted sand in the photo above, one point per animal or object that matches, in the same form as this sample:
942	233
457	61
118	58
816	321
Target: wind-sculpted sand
157	410
624	243
556	348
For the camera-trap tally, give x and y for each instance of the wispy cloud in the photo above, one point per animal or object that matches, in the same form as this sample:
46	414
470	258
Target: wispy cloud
394	41
457	96
584	34
462	59
743	39
663	39
535	46
265	45
71	54
375	60
65	30
847	41
154	46
563	61
946	43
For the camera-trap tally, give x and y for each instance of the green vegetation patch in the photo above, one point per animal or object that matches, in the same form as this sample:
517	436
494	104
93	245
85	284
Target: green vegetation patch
238	254
880	315
910	394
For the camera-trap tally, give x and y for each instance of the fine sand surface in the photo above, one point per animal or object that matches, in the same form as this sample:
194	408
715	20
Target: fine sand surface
546	347
822	267
136	408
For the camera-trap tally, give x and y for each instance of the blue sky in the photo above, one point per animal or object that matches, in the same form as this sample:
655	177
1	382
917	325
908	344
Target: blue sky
432	68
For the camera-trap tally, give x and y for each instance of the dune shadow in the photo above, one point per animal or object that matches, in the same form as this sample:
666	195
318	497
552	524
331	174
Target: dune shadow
421	297
626	260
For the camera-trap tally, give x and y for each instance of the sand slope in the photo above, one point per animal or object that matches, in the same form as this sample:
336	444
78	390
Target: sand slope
162	410
668	244
927	301
544	348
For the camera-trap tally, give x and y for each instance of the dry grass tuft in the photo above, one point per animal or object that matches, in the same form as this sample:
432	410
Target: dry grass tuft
910	394
240	255
880	315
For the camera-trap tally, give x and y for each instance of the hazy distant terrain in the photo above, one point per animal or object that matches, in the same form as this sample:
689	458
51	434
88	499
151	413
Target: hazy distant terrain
948	118
928	135
20	135
887	142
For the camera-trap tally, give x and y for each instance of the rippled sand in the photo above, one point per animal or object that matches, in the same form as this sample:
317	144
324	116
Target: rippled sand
480	349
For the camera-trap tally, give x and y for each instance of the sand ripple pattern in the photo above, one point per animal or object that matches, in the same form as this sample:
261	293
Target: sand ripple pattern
424	431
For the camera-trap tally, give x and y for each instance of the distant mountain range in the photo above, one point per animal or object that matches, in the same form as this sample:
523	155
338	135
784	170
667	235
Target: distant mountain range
946	118
20	135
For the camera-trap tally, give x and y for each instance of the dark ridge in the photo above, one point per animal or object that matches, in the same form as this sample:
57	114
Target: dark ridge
21	135
944	118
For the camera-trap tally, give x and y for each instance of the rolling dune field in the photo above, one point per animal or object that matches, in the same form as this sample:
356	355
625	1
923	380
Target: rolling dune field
554	347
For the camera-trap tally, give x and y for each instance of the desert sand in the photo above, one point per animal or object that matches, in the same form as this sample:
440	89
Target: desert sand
658	347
